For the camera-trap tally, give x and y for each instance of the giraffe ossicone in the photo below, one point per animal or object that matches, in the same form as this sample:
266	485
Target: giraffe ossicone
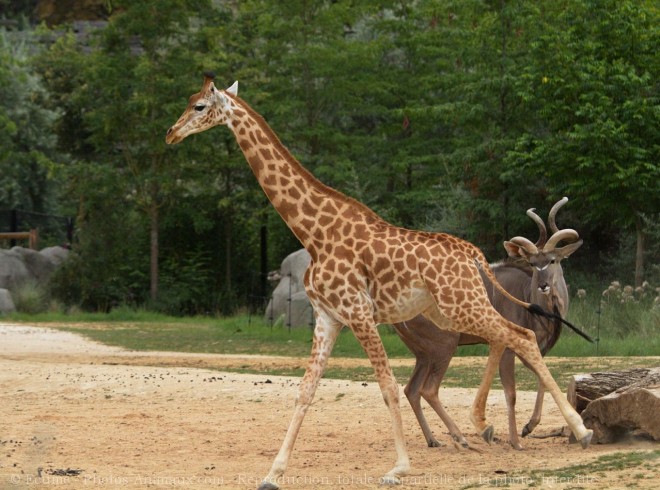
365	271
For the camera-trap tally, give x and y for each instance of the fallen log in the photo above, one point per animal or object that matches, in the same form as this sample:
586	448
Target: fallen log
585	388
615	404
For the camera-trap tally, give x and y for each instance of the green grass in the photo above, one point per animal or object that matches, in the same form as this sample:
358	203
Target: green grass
241	334
145	331
582	475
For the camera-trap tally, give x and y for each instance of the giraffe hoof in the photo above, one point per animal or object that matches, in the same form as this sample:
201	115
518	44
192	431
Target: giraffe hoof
526	431
516	445
488	434
586	440
390	480
266	485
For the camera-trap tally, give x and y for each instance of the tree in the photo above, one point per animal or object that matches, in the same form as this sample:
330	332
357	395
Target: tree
130	91
593	78
27	147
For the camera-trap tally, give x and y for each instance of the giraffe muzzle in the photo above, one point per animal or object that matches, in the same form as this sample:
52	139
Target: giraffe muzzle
171	138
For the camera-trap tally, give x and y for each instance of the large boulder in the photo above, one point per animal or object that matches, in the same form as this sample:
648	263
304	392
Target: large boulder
6	302
19	266
13	271
289	302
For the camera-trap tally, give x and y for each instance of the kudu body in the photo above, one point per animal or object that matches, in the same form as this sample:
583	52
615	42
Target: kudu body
535	275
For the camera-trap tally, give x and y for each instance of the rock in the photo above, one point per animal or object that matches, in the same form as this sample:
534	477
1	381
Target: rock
20	265
56	255
13	271
40	267
6	302
291	289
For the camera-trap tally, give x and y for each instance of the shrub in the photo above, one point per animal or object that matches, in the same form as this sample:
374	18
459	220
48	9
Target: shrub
31	298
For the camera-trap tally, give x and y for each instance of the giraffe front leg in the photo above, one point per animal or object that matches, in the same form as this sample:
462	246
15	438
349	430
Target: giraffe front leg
325	334
478	413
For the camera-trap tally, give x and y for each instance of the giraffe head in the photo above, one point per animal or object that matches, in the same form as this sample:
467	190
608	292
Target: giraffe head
207	108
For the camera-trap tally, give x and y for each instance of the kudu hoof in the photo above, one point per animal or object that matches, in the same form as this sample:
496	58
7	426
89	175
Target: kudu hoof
434	443
488	434
526	431
266	485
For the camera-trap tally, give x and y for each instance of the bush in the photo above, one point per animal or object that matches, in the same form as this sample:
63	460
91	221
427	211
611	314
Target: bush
30	298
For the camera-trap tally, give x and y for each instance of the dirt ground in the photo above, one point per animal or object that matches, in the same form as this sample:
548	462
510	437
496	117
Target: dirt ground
76	414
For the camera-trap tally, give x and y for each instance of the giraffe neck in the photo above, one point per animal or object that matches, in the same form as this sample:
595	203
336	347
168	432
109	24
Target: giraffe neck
302	201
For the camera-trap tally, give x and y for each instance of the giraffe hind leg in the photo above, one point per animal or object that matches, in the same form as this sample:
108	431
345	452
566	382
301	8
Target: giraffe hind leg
367	334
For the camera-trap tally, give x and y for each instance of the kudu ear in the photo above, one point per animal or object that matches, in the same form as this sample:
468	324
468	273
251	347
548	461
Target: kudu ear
516	251
567	250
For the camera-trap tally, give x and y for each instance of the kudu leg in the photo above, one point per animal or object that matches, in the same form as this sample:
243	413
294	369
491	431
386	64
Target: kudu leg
413	391
538	409
430	389
508	378
433	400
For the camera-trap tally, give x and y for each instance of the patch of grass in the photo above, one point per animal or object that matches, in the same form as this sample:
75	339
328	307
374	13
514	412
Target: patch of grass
242	334
604	464
582	475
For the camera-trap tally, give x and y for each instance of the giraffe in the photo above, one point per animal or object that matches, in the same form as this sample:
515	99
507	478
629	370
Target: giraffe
365	271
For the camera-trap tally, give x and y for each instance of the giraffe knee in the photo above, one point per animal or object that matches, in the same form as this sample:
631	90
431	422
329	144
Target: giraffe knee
530	335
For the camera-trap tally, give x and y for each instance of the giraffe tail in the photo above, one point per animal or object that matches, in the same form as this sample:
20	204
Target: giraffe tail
534	309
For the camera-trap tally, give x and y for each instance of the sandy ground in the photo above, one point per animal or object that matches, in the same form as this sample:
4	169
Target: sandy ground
75	414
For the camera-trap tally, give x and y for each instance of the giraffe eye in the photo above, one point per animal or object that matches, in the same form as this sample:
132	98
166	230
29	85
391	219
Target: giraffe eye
200	107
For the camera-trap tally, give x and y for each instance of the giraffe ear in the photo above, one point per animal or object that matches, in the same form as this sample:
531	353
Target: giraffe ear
233	89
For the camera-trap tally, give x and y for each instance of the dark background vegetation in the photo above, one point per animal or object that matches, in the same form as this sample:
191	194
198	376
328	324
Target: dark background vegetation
452	116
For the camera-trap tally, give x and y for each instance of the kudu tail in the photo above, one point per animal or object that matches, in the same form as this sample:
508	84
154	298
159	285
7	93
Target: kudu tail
531	307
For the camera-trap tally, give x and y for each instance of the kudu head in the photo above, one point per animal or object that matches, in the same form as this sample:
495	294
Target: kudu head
544	257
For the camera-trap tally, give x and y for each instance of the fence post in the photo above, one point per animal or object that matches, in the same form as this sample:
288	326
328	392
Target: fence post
264	261
69	230
288	322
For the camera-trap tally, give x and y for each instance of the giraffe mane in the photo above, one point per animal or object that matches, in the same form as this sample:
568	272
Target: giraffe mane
306	174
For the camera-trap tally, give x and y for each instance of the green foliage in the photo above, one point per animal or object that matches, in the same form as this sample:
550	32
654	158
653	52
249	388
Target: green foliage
27	147
593	77
440	115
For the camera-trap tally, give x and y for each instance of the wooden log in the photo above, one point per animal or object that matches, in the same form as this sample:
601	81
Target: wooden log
618	414
585	388
618	403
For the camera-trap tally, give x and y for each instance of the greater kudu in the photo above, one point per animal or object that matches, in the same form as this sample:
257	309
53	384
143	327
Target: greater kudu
536	277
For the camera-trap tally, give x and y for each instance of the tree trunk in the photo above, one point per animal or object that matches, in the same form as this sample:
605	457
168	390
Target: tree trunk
154	249
639	252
